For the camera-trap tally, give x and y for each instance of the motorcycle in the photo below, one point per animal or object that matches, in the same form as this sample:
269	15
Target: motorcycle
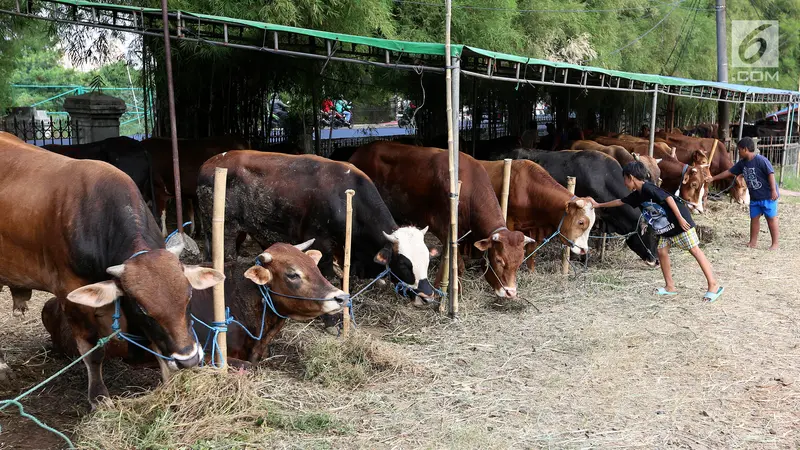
338	120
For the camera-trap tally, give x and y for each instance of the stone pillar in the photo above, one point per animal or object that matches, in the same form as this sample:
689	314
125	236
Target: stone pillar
95	116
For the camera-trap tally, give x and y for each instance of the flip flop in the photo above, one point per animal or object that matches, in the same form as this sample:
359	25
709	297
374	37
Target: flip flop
712	296
662	291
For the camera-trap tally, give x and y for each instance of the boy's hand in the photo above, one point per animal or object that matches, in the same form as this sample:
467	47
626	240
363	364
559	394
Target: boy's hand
684	224
593	202
774	194
709	179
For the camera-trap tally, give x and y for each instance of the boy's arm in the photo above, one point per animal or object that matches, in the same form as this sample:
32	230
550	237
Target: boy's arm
719	176
611	204
773	185
674	207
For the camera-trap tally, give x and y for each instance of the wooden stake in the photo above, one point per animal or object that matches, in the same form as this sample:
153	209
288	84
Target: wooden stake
218	256
348	237
506	185
565	255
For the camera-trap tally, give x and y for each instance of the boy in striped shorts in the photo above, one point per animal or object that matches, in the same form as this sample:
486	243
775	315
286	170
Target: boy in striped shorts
671	221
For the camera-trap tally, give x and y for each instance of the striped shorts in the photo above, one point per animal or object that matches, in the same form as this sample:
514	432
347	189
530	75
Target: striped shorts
684	241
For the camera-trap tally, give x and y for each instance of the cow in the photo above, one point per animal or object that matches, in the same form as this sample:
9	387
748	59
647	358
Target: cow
621	154
124	153
538	206
484	149
685	181
282	268
86	236
414	183
192	154
342	153
598	176
272	197
651	164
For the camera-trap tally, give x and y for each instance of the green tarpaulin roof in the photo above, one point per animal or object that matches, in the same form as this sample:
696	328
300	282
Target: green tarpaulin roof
436	49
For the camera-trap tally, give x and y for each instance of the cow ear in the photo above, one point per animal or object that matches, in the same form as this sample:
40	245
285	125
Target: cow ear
258	275
96	295
384	256
202	277
316	255
483	244
686	178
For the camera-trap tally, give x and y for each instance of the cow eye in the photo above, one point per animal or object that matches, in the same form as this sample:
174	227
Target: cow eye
144	311
581	222
293	276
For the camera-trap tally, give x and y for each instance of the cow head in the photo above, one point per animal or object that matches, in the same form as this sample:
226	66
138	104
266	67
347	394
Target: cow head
739	192
693	188
644	243
408	257
505	251
292	270
578	221
699	158
155	289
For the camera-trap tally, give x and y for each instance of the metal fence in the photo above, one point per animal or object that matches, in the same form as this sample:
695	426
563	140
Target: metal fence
38	132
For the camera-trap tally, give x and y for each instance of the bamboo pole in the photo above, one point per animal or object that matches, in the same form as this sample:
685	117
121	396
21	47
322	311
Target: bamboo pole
565	254
218	255
446	261
348	239
452	164
506	186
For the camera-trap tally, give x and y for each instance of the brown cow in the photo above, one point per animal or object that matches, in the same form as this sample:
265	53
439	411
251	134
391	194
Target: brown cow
413	182
685	181
86	236
652	166
538	206
618	152
192	154
283	268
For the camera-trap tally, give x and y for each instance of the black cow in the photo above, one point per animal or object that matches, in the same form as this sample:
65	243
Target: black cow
275	197
342	153
124	153
599	176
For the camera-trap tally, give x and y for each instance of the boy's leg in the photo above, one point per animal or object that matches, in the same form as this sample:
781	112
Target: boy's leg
755	228
705	265
666	269
771	213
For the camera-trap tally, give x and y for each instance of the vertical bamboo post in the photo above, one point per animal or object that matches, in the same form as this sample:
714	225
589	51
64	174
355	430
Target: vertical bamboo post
506	186
218	255
565	254
348	239
446	262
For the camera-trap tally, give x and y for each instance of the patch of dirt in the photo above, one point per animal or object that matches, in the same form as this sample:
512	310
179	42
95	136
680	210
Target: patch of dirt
596	360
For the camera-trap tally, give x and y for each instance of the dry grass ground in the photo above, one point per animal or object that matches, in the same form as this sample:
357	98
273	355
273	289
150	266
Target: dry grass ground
598	361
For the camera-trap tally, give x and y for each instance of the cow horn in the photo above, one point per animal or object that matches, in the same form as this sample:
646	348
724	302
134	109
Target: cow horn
391	238
304	246
116	271
264	258
424	230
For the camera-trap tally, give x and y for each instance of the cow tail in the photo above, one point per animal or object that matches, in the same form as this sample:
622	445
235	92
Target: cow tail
152	184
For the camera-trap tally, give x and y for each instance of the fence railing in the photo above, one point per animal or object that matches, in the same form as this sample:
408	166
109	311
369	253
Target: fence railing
61	131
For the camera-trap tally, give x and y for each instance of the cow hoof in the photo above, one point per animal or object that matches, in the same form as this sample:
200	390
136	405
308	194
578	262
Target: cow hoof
382	282
6	374
19	312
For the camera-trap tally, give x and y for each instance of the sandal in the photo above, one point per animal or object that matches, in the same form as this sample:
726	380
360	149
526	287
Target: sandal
712	296
662	291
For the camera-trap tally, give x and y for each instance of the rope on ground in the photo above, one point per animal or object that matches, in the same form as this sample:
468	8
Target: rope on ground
16	401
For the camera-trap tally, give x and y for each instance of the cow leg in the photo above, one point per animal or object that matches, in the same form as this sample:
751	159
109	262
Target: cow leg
190	215
20	298
261	346
6	374
94	369
531	262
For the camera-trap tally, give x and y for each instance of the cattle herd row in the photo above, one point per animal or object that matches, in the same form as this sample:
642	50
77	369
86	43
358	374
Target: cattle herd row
87	235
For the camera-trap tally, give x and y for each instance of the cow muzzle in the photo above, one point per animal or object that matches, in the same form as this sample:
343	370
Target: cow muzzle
181	361
506	292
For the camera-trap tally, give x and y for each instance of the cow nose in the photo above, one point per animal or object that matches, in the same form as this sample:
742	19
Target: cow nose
424	288
342	299
510	292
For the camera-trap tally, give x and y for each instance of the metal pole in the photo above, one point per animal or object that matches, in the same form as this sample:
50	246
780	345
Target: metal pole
218	255
653	122
723	108
741	130
785	142
172	124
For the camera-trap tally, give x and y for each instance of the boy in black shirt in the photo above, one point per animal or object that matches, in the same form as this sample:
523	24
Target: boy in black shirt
670	220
